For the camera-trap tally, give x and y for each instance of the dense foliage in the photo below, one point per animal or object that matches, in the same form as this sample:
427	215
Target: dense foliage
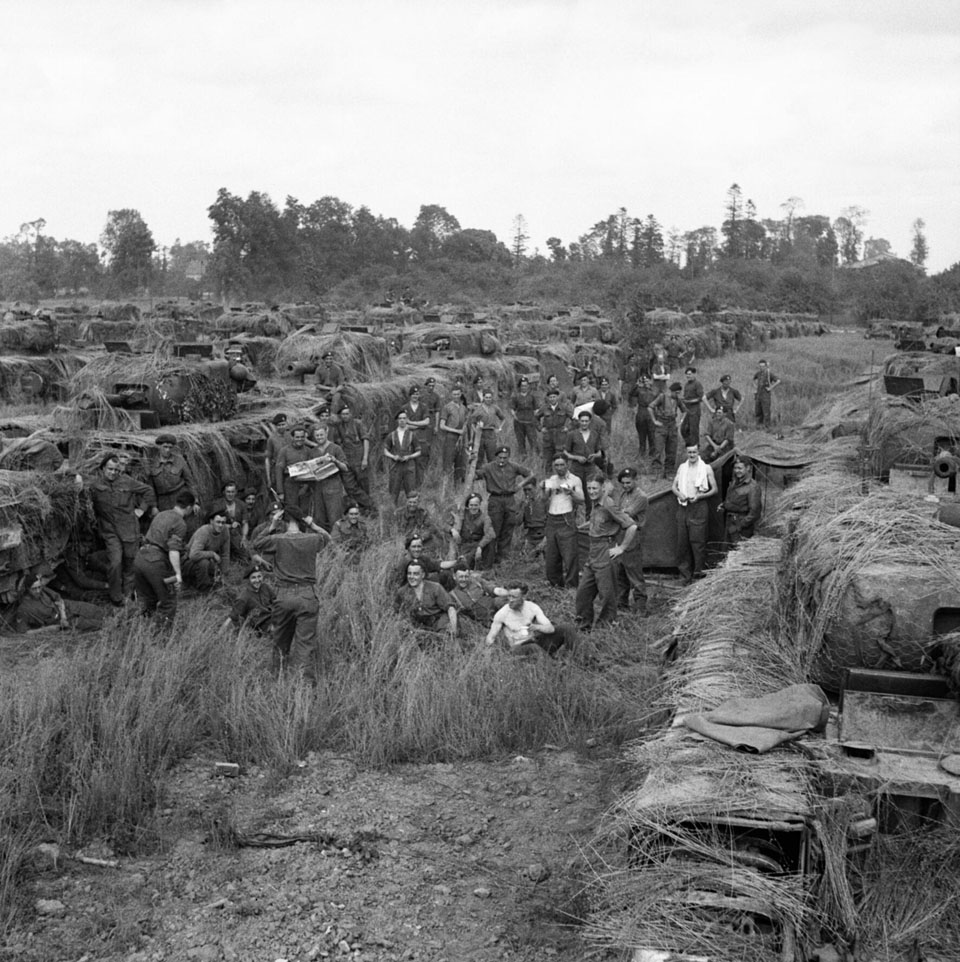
350	256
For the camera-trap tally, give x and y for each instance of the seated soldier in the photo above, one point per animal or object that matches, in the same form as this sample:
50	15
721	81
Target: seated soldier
208	552
426	604
40	608
254	605
438	571
475	597
413	518
526	628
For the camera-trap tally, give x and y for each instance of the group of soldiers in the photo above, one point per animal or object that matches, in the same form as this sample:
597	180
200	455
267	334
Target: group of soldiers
318	475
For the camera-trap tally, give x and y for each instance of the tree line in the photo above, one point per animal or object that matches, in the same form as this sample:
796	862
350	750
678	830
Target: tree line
331	250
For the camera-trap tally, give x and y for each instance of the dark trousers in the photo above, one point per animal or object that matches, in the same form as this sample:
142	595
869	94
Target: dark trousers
120	559
692	538
295	627
665	447
356	481
83	616
327	508
454	456
526	434
593	582
690	429
403	477
551	448
629	569
560	550
488	446
761	407
645	433
154	595
298	494
504	517
201	573
564	636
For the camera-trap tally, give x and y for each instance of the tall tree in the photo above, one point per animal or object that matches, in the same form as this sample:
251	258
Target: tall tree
558	253
521	235
650	238
701	249
732	227
849	230
791	207
753	234
919	249
434	224
130	246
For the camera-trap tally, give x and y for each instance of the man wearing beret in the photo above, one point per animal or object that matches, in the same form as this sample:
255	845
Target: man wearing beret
503	479
629	566
168	475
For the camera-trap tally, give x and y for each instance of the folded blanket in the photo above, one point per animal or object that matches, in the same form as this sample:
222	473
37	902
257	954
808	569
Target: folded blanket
756	725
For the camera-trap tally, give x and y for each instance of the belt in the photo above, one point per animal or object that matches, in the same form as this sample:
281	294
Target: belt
503	494
566	514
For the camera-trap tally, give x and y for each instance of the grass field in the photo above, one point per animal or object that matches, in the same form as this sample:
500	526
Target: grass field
87	736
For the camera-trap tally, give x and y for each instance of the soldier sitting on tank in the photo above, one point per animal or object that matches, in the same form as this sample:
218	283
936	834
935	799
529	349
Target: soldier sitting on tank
208	552
42	608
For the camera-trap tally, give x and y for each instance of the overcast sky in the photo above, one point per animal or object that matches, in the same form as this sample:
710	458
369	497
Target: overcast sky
562	110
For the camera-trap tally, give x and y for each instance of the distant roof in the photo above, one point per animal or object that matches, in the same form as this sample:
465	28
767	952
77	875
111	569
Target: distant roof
873	261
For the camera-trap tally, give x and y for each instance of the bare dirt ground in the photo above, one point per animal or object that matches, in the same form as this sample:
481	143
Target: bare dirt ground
477	861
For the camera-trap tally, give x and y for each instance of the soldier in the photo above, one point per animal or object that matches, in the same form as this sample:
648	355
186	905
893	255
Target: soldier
611	401
533	517
119	502
693	485
524	406
719	439
599	574
562	492
475	597
208	552
503	478
629	566
584	450
402	451
157	569
329	380
327	508
352	435
294	493
168	475
724	396
420	419
664	410
764	383
253	607
489	418
641	397
294	552
350	533
277	439
453	430
555	418
426	603
475	538
743	504
414	519
235	511
691	401
585	392
526	628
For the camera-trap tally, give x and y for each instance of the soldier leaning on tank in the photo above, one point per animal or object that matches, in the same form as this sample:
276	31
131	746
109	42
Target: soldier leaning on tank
329	379
119	502
168	474
158	573
742	505
208	552
293	493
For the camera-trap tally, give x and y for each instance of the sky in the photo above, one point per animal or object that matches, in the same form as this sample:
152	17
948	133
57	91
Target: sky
560	110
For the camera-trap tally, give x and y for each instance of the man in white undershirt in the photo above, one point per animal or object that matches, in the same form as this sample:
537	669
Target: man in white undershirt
525	627
693	486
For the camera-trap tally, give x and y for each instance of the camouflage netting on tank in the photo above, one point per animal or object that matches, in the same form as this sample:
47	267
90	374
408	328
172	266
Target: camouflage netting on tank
30	336
18	376
275	323
362	357
846	558
899	431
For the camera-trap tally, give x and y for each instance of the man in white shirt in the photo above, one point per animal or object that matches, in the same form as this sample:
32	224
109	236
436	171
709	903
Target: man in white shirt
525	627
693	486
562	492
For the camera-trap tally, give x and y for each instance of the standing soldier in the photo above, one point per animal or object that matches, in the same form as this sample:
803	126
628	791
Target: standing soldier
168	475
599	574
294	552
294	493
691	400
693	485
659	371
503	479
584	451
353	437
432	403
631	375
664	409
524	406
585	392
158	573
328	498
554	418
119	502
562	492
419	418
402	451
629	567
489	419
642	397
611	400
235	511
724	396
275	442
743	504
764	383
453	428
